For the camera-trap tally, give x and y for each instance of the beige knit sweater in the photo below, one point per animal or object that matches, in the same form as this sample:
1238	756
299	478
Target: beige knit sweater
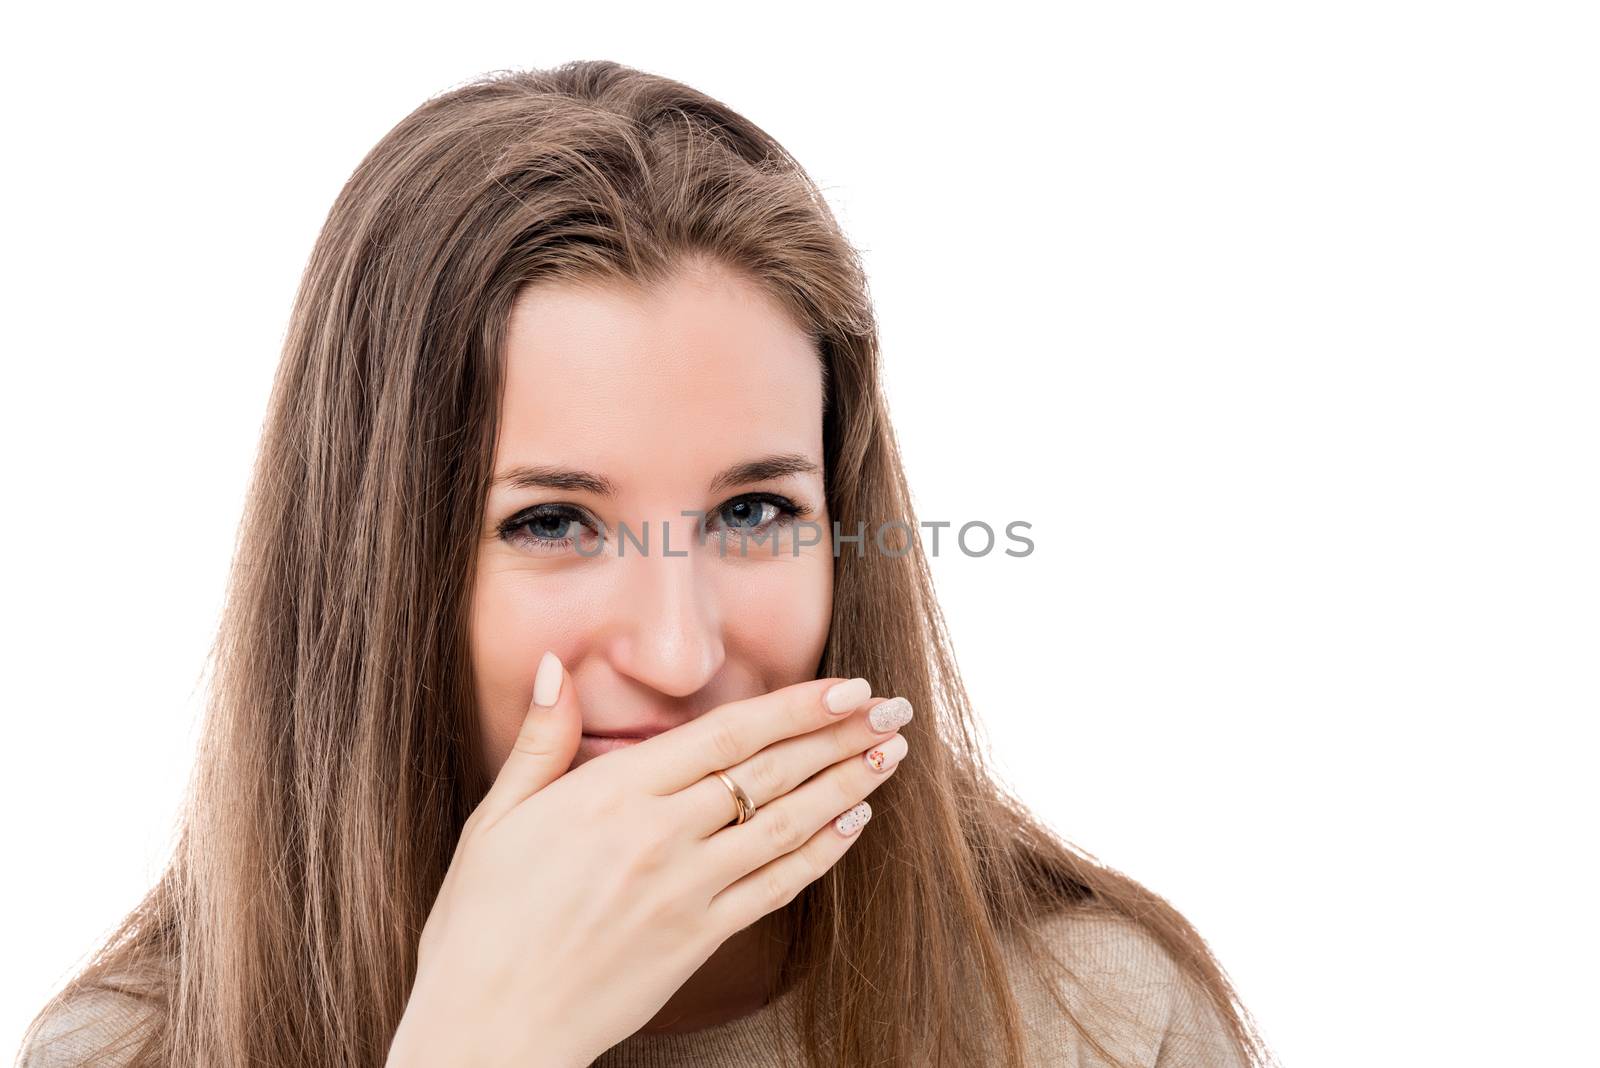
1160	1019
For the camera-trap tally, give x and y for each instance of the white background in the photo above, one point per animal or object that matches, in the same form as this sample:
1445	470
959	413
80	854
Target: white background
1278	322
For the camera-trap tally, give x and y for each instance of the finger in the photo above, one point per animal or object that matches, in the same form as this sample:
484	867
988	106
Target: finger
545	746
682	756
777	882
781	826
708	805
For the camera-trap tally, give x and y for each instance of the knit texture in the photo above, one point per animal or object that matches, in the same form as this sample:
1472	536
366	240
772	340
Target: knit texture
1135	1001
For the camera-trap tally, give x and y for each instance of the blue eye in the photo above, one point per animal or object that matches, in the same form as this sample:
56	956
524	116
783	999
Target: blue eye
545	527
750	512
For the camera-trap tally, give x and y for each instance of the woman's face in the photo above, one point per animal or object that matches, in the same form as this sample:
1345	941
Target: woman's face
625	409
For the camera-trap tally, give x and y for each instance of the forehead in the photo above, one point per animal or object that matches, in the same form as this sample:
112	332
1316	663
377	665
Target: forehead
651	387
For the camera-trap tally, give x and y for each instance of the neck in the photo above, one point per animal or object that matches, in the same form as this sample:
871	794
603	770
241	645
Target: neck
734	981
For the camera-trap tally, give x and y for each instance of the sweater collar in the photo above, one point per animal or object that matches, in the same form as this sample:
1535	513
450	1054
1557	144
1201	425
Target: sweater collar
746	1040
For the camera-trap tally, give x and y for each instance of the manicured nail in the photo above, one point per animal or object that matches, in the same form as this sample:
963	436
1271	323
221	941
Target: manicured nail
847	695
890	715
547	683
854	820
885	756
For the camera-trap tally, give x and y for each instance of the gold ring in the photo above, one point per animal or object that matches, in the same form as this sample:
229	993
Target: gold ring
747	807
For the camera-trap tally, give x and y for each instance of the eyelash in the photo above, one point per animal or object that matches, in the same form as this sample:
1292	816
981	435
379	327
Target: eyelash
788	511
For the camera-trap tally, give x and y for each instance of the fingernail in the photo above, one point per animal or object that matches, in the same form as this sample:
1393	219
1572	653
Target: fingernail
890	715
847	695
887	755
547	683
854	820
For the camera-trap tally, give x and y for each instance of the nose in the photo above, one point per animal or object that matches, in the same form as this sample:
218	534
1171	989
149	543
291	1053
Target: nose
666	628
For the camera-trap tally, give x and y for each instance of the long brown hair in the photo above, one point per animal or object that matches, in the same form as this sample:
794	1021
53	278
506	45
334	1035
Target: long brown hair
338	763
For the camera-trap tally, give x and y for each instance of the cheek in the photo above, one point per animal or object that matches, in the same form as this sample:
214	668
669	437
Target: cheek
516	616
776	617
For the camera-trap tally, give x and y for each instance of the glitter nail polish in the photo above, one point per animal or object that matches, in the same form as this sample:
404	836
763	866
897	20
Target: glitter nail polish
854	820
890	715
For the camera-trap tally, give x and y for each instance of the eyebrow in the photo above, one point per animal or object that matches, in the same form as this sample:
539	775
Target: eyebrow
547	476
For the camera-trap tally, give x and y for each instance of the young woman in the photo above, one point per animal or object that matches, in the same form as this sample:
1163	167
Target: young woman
580	369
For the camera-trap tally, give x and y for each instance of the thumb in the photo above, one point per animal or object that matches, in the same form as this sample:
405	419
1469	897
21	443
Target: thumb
546	744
